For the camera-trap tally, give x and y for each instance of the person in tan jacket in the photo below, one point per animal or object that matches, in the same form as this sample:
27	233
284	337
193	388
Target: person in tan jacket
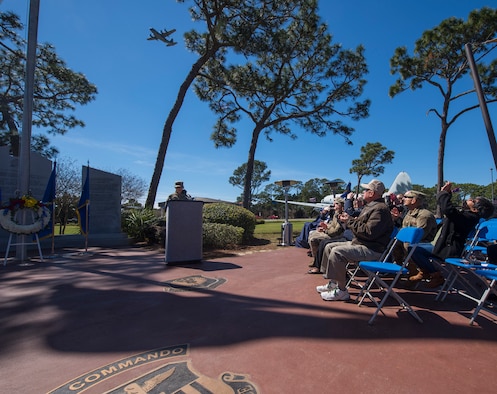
417	216
331	230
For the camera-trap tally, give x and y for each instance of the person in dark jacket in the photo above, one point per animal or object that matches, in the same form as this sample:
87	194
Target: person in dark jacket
456	226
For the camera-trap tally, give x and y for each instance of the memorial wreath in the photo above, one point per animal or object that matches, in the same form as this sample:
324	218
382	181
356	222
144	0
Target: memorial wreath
8	215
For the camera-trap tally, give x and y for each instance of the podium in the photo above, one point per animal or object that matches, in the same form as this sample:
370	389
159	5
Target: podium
183	231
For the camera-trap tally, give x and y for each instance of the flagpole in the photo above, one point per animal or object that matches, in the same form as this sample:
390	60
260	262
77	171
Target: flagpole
53	206
24	166
87	213
53	228
87	224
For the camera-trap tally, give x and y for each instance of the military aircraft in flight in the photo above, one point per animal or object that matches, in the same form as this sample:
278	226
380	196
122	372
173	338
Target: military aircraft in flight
401	184
161	35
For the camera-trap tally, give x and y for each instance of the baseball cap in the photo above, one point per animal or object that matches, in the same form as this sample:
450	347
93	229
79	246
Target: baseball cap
375	185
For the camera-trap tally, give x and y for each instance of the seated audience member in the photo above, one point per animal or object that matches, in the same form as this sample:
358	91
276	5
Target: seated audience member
353	204
456	226
302	239
416	215
372	230
331	232
395	203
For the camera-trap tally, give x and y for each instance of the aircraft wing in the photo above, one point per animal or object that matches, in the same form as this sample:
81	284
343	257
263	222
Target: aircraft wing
307	204
156	35
165	33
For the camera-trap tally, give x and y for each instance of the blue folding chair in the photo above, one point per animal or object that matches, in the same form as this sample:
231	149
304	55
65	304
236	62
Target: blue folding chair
411	236
353	267
490	277
485	234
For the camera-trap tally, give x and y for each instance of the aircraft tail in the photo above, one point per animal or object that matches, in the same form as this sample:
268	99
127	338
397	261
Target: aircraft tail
401	184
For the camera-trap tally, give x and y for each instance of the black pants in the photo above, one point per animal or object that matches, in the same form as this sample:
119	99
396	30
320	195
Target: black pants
319	255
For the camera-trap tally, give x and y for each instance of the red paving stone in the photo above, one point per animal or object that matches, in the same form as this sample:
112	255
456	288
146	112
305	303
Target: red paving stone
74	316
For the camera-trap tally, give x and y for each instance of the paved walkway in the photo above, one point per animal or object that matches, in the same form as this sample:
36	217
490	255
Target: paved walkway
120	321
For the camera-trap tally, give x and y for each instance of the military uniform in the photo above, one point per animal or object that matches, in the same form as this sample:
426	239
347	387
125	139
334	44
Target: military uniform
422	218
180	193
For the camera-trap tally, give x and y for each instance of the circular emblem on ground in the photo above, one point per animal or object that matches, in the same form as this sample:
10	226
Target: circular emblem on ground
193	282
181	378
174	375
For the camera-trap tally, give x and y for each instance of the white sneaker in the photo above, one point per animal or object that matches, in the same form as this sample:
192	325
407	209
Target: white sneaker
327	287
335	295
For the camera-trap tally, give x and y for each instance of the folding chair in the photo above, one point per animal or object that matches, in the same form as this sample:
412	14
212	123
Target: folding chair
490	277
484	235
375	269
353	267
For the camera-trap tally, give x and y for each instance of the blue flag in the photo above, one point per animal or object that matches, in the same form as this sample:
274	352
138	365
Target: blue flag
83	210
49	200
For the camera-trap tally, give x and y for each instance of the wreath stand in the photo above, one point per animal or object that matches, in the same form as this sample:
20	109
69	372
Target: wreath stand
9	243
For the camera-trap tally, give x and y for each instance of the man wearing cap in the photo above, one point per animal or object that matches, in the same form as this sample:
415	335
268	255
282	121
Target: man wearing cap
179	192
418	216
371	229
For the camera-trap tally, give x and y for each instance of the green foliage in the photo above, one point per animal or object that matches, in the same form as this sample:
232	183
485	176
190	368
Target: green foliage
294	75
439	61
260	175
141	224
227	26
222	236
230	214
373	156
57	89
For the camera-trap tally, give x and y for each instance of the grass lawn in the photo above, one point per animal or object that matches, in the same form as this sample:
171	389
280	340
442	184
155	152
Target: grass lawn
70	229
274	226
270	229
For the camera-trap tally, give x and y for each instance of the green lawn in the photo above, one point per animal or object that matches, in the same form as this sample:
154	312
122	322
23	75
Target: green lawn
271	228
70	229
274	227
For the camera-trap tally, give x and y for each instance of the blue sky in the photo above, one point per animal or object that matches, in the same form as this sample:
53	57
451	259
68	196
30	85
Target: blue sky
138	81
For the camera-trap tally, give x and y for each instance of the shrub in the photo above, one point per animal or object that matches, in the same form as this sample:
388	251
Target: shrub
223	236
230	214
141	224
